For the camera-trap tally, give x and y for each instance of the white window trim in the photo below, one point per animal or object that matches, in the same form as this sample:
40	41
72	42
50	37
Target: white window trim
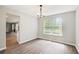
53	34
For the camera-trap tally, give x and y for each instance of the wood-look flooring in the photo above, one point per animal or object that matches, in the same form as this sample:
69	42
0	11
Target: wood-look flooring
40	46
11	40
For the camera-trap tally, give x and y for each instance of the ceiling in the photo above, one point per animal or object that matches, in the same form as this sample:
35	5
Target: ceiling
47	9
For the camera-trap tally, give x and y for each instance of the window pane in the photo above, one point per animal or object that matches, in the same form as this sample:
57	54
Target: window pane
52	26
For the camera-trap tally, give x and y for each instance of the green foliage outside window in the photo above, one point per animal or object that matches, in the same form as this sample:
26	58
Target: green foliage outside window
52	25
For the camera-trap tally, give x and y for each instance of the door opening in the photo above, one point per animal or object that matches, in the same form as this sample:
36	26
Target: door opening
12	29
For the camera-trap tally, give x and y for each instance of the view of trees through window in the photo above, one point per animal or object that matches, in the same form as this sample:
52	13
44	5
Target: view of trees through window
52	25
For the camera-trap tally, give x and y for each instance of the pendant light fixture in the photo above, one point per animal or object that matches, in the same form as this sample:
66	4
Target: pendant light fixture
41	11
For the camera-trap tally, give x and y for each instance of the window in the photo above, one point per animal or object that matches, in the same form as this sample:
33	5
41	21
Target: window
52	25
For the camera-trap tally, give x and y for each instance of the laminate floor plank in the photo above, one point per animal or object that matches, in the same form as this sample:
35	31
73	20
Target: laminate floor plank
39	46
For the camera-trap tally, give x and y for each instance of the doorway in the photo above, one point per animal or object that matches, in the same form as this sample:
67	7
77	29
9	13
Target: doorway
12	29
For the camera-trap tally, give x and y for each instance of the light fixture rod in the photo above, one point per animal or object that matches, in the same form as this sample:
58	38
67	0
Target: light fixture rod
40	11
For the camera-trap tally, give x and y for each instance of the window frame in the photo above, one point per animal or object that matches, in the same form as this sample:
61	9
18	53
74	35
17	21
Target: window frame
54	34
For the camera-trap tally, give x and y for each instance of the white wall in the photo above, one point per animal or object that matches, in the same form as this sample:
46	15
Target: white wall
68	29
12	18
2	30
77	29
28	27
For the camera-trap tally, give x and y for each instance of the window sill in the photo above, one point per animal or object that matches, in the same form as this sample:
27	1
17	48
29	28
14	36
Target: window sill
53	34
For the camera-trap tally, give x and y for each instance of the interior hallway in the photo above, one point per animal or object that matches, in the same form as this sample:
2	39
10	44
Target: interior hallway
40	46
11	40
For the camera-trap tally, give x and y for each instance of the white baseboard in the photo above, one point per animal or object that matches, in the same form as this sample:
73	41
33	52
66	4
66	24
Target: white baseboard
2	48
22	42
26	41
58	41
